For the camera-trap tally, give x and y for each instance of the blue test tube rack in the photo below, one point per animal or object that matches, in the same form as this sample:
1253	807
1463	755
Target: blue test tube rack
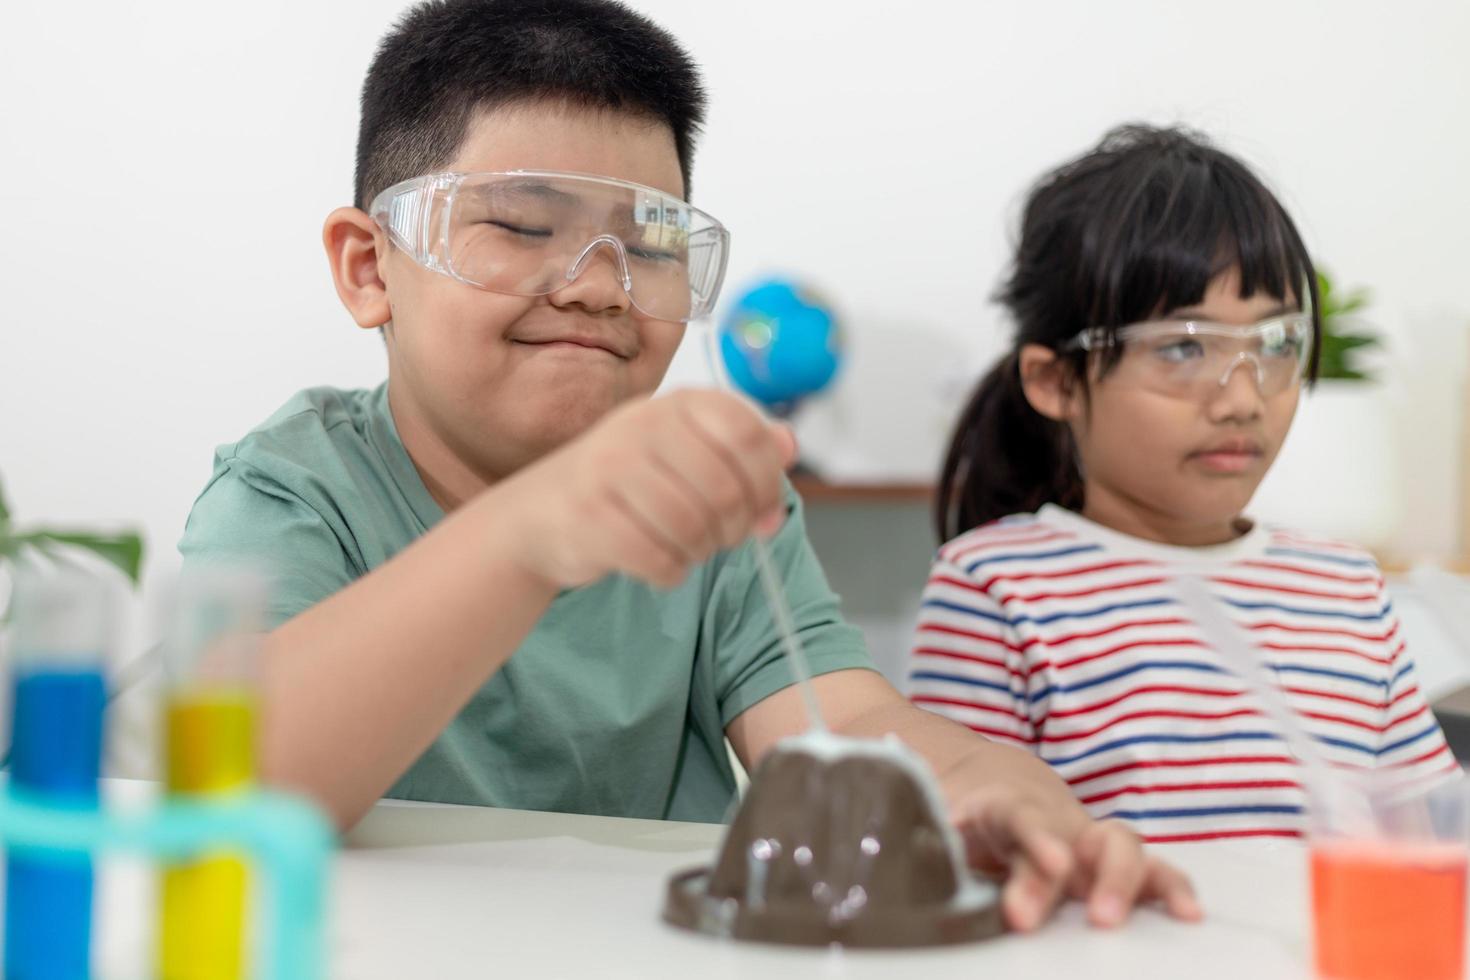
288	839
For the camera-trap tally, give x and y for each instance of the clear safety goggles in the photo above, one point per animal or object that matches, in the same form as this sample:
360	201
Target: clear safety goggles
529	233
1195	358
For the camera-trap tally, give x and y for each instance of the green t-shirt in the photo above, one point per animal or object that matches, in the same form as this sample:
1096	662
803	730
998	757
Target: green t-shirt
617	701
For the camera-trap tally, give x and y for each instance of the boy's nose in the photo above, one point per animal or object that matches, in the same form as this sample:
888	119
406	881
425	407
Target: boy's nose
599	278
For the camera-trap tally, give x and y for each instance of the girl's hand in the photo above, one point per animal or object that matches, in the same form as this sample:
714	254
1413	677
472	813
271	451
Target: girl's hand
1050	857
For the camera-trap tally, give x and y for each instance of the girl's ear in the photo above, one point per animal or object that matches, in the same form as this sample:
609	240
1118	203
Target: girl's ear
1049	383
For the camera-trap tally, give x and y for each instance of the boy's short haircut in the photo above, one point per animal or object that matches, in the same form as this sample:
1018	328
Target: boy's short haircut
445	60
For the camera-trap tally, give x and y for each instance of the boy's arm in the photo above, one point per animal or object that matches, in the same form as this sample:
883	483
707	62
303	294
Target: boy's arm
1009	807
360	684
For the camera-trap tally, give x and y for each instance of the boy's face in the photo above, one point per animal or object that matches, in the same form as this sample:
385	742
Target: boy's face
498	379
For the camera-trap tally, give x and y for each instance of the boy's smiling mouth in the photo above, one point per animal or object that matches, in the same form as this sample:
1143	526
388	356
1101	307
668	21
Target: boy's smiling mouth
592	341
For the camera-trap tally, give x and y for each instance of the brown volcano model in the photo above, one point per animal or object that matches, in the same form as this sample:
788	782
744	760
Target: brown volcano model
837	841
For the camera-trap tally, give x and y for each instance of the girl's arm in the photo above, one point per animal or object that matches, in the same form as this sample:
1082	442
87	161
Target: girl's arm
1410	739
966	662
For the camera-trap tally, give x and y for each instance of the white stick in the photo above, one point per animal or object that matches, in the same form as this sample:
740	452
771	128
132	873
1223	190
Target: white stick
786	626
1336	806
770	579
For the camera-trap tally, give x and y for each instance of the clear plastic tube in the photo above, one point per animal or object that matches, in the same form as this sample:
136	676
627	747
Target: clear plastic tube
210	657
64	628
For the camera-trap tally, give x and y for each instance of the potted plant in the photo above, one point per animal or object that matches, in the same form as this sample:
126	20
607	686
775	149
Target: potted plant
1337	473
123	551
1345	339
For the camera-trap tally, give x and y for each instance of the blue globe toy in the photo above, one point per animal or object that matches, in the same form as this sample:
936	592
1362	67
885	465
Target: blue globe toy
780	343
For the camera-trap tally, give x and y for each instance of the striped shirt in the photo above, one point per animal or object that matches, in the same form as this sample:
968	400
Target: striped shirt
1054	633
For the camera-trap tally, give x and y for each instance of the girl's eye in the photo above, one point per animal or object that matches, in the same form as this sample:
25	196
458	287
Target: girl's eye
1286	346
1179	351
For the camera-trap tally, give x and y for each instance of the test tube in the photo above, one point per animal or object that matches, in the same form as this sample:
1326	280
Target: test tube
64	629
210	660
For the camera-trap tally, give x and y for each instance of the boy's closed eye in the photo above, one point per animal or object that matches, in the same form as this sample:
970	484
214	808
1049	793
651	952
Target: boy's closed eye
524	231
651	254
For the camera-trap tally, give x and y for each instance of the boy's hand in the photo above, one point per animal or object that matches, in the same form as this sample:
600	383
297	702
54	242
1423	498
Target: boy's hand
653	489
1049	857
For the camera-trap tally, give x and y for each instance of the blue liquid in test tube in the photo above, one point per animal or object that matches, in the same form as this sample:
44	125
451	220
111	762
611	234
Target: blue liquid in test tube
62	627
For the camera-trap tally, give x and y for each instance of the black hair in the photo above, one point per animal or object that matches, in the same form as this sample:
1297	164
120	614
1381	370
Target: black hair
446	60
1136	227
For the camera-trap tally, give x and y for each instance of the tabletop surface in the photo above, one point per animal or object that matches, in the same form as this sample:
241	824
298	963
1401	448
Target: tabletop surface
441	891
462	891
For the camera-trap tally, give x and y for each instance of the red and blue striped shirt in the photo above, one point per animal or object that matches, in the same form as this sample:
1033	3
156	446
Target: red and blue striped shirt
1054	633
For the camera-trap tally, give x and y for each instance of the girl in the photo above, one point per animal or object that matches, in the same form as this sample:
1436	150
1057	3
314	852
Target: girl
1166	318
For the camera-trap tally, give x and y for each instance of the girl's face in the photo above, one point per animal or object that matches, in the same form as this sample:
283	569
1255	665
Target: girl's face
1165	467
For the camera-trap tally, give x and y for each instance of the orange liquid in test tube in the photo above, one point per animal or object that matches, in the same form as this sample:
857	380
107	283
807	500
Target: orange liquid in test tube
1389	911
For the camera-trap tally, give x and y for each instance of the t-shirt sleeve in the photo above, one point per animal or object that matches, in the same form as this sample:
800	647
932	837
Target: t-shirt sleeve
739	628
243	517
966	663
1410	740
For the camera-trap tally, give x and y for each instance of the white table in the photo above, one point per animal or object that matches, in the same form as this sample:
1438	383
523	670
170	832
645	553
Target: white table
440	892
460	891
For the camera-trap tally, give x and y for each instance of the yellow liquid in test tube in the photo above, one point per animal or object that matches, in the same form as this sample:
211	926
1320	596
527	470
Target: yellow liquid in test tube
210	751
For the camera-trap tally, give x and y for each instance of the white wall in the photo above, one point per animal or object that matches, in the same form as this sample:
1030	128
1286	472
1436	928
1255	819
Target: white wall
165	166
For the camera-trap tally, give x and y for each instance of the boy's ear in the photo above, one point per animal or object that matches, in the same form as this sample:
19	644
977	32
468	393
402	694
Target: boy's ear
1048	383
352	241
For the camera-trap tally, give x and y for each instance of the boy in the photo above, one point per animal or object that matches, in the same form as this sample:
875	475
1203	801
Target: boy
510	578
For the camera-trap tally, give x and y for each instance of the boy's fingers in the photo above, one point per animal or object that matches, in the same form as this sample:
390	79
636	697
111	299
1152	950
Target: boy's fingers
772	520
670	509
1117	874
746	443
703	472
786	443
642	550
686	453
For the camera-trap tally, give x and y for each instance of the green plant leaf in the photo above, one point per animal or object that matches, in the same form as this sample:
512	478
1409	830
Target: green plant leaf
1343	336
4	511
124	551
